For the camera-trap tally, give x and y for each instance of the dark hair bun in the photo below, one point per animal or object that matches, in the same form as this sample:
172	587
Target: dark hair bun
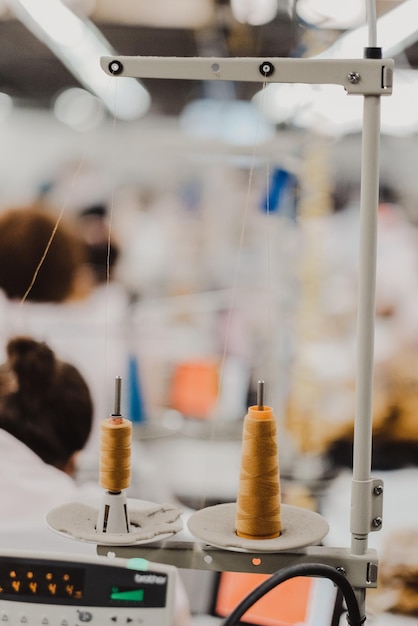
44	402
33	363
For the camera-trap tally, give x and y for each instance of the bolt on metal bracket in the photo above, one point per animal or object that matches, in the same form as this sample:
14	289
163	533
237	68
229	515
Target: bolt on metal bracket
367	506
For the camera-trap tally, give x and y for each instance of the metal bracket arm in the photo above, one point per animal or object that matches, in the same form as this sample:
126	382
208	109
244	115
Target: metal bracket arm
361	571
373	77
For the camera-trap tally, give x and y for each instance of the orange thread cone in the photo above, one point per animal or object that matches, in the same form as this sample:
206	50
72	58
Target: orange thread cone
115	454
258	502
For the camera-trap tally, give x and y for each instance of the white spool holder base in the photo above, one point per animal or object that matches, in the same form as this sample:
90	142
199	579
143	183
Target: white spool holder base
215	525
149	522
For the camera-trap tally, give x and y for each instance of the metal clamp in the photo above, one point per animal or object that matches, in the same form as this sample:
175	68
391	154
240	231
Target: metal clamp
367	506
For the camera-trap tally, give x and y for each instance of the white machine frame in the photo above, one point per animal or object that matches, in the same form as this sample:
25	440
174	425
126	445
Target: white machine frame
370	77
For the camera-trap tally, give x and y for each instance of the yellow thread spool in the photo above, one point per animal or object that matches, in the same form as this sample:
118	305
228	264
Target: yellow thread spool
115	454
258	502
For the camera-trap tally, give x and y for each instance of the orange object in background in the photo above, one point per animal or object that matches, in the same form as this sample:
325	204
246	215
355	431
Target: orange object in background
285	605
194	388
300	601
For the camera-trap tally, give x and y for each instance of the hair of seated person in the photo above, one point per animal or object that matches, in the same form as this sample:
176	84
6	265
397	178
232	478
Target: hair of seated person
44	402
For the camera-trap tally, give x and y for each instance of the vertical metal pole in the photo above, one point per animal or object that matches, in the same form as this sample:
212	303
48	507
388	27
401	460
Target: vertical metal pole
361	485
363	418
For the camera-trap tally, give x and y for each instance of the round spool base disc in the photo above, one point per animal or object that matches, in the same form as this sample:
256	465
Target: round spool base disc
149	522
216	526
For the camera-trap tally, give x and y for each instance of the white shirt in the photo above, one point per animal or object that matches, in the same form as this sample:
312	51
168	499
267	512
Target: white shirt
29	488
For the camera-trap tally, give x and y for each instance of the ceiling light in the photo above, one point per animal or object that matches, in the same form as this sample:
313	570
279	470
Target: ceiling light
332	14
78	109
328	110
397	29
81	7
254	12
79	45
60	24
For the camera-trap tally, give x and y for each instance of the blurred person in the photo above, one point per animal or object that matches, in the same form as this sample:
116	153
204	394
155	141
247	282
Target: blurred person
46	415
102	250
83	319
48	290
26	232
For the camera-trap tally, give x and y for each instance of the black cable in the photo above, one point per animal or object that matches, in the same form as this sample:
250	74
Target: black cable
302	569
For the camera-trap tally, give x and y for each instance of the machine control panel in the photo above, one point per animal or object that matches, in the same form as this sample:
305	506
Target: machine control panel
66	591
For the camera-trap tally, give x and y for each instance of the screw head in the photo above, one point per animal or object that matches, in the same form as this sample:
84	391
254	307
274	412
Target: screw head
353	78
378	490
115	67
266	68
377	522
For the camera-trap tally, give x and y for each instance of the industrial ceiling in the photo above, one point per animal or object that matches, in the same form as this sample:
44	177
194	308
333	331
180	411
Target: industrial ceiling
32	74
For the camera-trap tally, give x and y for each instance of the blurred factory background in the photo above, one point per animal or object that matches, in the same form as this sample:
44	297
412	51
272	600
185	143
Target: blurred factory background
233	213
